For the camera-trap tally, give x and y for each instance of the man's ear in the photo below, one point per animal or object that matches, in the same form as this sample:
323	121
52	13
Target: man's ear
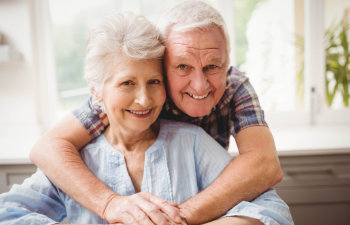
96	95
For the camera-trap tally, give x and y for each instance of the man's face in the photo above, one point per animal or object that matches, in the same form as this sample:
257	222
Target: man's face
196	65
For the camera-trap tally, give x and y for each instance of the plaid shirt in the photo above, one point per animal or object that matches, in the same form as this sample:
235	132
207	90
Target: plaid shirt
239	108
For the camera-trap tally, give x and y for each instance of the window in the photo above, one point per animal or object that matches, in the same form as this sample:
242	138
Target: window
297	87
267	44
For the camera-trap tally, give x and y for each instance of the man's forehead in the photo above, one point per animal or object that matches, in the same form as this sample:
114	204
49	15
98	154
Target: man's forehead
192	45
194	41
182	56
183	50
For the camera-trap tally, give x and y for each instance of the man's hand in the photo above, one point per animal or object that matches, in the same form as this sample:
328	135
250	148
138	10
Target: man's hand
142	208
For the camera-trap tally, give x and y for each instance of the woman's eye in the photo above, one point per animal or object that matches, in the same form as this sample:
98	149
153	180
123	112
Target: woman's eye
155	81
127	83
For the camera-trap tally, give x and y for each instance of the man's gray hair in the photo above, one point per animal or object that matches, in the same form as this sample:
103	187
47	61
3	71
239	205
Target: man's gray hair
119	35
191	15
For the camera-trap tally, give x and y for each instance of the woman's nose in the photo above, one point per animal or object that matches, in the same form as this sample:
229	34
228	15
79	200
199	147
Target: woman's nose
199	82
143	97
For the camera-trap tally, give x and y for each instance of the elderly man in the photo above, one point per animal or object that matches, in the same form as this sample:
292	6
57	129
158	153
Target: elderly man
202	90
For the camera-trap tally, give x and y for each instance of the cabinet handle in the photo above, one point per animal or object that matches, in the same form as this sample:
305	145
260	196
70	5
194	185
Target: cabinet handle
296	172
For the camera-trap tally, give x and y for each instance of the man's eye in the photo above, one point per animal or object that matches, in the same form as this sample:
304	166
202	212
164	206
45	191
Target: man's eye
182	67
210	67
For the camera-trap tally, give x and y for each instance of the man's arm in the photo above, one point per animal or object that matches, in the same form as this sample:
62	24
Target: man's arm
56	153
255	170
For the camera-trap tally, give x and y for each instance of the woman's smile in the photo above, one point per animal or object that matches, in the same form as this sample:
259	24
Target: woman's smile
140	113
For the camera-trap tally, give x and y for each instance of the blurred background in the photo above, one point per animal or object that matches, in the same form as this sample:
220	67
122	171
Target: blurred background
295	52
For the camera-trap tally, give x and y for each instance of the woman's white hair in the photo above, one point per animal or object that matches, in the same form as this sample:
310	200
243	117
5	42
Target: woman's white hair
119	35
191	15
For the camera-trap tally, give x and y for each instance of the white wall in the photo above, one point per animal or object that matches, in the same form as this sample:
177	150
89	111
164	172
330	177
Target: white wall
335	9
18	106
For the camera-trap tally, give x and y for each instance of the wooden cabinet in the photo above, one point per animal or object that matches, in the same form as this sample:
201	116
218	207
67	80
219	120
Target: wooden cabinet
14	174
317	188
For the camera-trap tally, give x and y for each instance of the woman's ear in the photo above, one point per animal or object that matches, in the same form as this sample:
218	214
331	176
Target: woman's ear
96	95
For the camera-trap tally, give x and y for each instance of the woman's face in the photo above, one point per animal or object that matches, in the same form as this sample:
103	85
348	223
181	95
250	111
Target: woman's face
134	94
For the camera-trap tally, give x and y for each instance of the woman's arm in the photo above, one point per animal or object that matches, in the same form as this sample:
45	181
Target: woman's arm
252	172
235	220
35	201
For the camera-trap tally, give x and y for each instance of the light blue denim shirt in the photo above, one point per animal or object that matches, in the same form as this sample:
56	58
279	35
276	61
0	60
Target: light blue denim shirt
181	162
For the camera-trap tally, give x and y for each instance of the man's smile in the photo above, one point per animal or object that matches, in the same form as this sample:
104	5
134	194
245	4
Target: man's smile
198	97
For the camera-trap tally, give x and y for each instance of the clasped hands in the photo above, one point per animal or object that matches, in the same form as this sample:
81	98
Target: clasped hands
142	208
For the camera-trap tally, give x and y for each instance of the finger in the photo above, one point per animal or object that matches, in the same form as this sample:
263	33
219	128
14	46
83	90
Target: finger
171	209
153	212
128	219
142	218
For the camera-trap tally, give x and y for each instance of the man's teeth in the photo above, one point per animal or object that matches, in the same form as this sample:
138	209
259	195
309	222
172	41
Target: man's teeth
198	97
140	112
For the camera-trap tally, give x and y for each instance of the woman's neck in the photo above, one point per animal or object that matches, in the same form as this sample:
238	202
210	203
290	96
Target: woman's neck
125	140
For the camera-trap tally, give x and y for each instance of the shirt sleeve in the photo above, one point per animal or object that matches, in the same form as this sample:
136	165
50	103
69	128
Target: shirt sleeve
92	117
211	159
245	102
268	207
36	201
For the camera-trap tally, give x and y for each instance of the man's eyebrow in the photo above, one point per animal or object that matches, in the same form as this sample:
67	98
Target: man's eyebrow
216	59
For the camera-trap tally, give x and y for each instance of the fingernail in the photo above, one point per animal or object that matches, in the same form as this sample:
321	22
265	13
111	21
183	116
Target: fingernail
178	219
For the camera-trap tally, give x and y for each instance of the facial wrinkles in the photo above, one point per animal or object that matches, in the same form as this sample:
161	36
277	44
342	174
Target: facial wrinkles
197	59
202	55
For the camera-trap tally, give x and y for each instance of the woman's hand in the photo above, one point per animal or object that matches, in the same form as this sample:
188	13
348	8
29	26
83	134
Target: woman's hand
142	208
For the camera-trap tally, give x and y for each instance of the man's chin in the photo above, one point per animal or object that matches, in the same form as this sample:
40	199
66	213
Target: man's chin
196	108
197	112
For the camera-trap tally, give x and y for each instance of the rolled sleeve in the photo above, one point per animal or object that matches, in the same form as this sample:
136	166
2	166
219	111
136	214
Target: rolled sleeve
92	117
268	207
245	102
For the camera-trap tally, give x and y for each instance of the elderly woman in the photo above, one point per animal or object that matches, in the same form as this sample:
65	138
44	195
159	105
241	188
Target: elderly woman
138	155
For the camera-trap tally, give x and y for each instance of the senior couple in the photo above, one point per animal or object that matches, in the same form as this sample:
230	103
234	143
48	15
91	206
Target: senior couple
137	168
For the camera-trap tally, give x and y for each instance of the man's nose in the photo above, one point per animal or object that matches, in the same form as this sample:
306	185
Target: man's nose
199	82
143	97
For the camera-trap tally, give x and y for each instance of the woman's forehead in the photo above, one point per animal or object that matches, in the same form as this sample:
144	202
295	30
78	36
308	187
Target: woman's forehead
137	69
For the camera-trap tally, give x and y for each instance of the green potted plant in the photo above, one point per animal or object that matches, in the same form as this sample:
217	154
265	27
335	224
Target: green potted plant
337	79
